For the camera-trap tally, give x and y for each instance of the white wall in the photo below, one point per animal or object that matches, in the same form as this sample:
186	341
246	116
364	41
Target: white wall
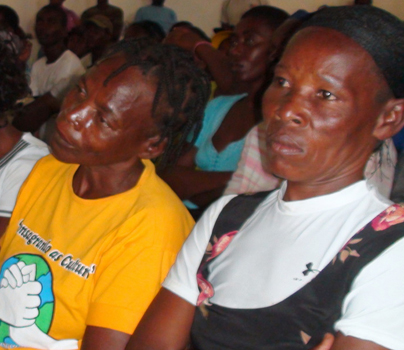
202	13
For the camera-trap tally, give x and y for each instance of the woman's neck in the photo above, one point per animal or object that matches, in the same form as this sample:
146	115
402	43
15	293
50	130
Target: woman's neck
93	182
300	191
53	52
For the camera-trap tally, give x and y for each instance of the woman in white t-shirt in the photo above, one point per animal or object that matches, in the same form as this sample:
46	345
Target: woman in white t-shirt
323	254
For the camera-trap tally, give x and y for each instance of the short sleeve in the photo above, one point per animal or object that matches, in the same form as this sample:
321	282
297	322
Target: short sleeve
374	308
181	279
132	269
215	111
126	287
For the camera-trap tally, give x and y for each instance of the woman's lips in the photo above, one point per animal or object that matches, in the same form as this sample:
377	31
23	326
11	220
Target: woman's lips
237	66
61	137
284	144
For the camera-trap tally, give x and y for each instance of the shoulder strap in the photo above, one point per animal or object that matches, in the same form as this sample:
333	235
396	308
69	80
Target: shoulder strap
233	215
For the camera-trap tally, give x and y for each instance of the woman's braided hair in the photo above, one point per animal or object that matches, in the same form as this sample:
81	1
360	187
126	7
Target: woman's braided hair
13	82
182	92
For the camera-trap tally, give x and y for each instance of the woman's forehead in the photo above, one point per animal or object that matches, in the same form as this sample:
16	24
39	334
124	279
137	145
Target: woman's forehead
324	42
328	53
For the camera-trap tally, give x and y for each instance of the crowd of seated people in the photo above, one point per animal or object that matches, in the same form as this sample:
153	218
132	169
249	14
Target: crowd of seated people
276	134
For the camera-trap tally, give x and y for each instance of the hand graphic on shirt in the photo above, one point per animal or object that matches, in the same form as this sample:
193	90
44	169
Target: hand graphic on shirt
19	295
19	302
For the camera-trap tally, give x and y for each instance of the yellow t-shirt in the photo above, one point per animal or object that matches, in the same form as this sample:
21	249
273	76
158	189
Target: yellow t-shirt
100	262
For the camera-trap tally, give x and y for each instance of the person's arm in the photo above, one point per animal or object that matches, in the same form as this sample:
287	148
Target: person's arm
34	114
218	65
205	198
165	326
327	342
216	61
167	322
98	338
351	343
188	182
3	225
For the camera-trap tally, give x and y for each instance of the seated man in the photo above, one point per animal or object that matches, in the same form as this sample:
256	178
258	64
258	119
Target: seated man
18	152
158	13
115	15
72	19
52	75
98	32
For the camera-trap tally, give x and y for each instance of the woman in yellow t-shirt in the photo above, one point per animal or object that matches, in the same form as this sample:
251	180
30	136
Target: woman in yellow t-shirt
95	230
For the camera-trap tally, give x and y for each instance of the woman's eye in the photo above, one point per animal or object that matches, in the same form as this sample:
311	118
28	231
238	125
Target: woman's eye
103	121
233	43
81	91
327	95
282	82
249	41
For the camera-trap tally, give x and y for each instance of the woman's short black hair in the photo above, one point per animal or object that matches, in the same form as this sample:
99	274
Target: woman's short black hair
13	82
153	30
57	9
158	2
271	15
183	90
10	17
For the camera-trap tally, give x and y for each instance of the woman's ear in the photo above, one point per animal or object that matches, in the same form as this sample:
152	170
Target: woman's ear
391	121
153	147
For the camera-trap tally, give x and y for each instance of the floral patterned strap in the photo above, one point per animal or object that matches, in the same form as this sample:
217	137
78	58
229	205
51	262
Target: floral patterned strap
228	223
388	218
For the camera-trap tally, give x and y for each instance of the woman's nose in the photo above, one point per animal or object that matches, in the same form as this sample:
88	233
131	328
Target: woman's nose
78	117
235	49
292	109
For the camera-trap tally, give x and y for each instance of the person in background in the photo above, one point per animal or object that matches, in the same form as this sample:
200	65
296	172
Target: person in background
158	13
232	10
73	20
324	253
95	230
253	173
142	29
18	151
114	13
98	32
52	75
14	36
201	175
77	43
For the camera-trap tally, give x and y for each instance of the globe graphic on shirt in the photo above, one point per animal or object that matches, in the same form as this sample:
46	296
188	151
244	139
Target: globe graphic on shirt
44	277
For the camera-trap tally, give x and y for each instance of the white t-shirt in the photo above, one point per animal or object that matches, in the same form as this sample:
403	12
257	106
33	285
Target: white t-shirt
272	249
15	166
57	77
